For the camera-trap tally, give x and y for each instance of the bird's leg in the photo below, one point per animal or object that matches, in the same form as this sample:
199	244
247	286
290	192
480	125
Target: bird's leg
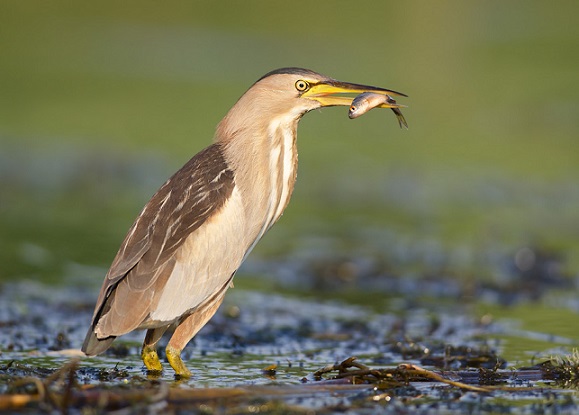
186	330
149	352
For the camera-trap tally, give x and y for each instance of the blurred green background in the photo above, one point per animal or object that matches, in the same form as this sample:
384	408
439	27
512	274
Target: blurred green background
101	101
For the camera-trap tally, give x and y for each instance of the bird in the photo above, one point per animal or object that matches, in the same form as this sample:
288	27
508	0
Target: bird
179	257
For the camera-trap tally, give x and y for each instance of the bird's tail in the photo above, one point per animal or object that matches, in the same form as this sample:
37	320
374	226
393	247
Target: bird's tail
93	345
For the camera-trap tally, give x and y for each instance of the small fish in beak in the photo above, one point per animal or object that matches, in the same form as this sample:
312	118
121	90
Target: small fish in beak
369	100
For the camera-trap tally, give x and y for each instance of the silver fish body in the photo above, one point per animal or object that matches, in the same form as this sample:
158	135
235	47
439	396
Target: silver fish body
369	100
365	102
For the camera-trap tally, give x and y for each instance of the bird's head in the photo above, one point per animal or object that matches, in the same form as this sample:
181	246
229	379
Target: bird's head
287	94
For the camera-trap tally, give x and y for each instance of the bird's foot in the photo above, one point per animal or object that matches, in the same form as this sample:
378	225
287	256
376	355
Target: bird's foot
151	359
174	358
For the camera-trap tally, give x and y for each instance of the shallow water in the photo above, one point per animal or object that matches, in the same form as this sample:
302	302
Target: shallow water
42	327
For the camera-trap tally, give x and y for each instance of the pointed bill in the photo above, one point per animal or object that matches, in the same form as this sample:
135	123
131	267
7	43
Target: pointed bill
333	93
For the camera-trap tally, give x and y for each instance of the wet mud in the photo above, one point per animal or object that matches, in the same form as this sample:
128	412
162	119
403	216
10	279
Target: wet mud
343	336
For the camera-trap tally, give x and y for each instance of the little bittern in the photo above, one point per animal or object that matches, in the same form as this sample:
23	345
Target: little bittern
179	257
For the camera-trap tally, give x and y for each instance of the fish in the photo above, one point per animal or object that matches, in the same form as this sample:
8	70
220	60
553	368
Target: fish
369	100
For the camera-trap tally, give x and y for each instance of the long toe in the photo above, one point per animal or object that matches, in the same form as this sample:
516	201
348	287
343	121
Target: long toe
174	358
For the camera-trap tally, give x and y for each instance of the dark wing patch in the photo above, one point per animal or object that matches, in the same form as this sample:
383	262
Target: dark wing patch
179	207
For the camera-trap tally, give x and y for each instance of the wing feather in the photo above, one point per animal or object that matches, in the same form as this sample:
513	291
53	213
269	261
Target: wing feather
144	261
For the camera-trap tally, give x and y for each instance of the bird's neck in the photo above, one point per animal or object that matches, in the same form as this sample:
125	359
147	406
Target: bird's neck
264	159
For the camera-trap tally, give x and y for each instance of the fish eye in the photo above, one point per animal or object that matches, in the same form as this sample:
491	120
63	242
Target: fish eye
302	85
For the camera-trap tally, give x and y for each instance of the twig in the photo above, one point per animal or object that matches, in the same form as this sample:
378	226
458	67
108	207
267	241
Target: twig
417	370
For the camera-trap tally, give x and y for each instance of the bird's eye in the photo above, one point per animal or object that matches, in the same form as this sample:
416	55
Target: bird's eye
302	86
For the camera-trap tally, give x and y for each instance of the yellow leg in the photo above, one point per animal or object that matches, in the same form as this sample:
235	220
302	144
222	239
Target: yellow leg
149	352
151	359
174	358
185	332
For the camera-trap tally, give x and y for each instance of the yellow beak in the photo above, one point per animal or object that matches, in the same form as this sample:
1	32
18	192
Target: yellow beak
332	93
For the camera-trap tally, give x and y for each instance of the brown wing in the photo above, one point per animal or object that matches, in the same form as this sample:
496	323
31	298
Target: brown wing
144	261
